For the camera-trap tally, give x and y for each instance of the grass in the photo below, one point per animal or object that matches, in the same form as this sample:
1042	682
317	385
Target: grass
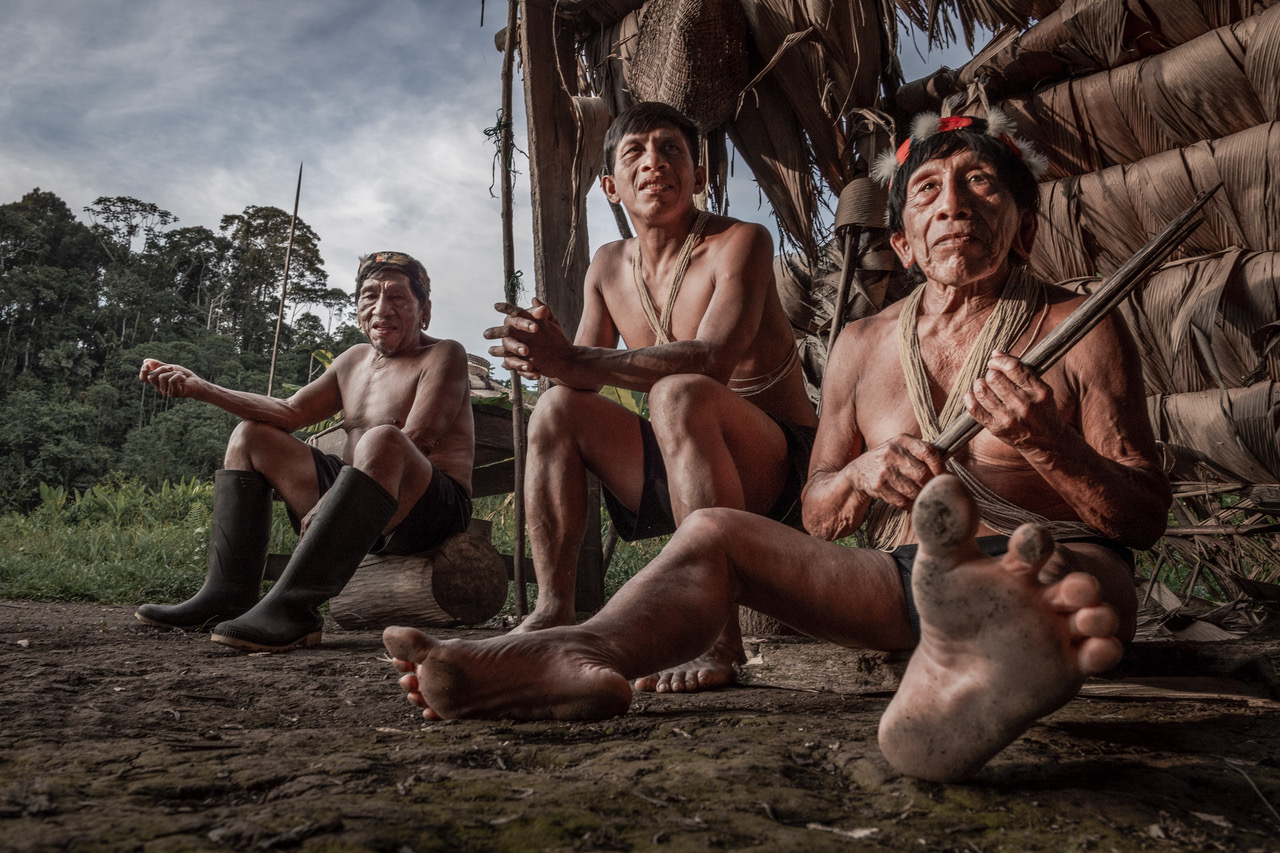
117	543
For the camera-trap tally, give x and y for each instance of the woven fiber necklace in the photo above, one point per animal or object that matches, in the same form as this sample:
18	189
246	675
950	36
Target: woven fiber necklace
661	326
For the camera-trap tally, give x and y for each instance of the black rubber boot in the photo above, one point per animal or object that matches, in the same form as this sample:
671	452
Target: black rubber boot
238	537
353	515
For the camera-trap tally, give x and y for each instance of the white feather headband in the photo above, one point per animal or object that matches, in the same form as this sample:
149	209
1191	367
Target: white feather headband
925	125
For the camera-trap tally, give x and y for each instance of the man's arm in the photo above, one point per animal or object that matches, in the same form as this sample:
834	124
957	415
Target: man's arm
742	272
311	404
1107	470
844	477
442	390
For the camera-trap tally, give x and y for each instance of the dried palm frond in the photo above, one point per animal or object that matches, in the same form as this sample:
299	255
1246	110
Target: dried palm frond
1084	37
1197	322
1092	223
606	53
1216	436
779	158
938	19
828	59
1218	84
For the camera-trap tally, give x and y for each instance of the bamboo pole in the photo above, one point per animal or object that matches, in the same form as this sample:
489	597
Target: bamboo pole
284	285
1091	312
509	271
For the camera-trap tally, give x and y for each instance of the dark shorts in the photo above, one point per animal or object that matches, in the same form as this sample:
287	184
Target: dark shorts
443	510
992	546
654	516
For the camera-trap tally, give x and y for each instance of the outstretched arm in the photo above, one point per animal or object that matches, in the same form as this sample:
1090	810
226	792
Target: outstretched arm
311	404
1107	469
742	275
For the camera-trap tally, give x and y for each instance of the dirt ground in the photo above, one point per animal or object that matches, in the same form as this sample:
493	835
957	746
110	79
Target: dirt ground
115	736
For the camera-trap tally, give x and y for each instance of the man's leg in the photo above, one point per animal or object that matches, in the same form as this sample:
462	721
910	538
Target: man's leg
670	612
1003	641
387	476
573	432
720	451
257	458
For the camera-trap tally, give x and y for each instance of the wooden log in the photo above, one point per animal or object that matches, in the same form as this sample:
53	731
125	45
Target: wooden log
462	582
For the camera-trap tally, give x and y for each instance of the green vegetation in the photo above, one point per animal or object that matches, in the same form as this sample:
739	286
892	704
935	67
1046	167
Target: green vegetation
126	543
118	543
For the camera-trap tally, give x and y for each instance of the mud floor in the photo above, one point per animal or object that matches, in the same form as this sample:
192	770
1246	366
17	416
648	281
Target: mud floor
114	736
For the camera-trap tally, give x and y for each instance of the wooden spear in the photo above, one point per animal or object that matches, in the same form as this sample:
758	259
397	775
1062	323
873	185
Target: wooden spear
509	287
284	285
1091	312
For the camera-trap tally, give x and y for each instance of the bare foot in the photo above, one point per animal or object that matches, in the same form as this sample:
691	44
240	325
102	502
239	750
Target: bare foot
540	620
998	648
544	675
710	671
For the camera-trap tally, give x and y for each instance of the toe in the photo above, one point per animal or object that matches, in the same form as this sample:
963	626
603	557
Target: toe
1075	591
407	644
1099	654
1101	621
1031	544
944	516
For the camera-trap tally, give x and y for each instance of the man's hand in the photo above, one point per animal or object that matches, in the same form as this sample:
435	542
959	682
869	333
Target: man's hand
895	471
1014	404
171	380
533	342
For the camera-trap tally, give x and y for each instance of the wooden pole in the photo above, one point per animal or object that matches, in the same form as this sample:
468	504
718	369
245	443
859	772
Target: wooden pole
284	285
509	287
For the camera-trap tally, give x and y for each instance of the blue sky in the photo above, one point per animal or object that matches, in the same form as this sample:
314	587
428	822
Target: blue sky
206	108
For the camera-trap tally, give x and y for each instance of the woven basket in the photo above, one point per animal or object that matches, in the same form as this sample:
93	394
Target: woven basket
692	55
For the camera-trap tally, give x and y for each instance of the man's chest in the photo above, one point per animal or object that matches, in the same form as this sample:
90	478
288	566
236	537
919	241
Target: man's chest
640	310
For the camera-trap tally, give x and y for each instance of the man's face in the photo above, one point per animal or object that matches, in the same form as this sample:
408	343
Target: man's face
653	171
960	222
389	314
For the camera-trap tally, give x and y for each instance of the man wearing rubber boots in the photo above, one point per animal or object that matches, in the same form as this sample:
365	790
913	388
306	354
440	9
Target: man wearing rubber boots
402	486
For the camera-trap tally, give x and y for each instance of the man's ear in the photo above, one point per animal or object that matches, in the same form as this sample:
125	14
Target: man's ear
1028	225
610	188
699	179
902	248
426	314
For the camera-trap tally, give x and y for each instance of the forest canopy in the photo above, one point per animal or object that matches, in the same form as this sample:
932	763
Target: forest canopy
84	300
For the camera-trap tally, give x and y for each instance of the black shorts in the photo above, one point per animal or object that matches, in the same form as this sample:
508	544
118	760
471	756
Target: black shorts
443	510
654	516
992	546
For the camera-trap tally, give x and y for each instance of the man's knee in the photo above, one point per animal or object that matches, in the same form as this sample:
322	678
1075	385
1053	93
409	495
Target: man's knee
714	530
683	394
379	444
251	436
561	412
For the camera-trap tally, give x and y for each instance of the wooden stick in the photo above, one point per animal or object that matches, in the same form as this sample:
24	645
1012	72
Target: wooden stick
1091	312
509	271
284	285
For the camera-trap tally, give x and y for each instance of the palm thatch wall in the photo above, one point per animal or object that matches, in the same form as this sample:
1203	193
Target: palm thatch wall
1138	104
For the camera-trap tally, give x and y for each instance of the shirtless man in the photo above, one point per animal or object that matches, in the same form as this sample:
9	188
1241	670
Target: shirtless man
730	423
403	484
1008	628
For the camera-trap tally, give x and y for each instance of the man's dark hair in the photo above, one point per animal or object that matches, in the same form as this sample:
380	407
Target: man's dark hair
375	262
642	118
1011	168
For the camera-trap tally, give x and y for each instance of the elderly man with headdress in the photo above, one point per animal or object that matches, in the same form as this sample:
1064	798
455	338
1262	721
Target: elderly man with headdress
402	485
1006	567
